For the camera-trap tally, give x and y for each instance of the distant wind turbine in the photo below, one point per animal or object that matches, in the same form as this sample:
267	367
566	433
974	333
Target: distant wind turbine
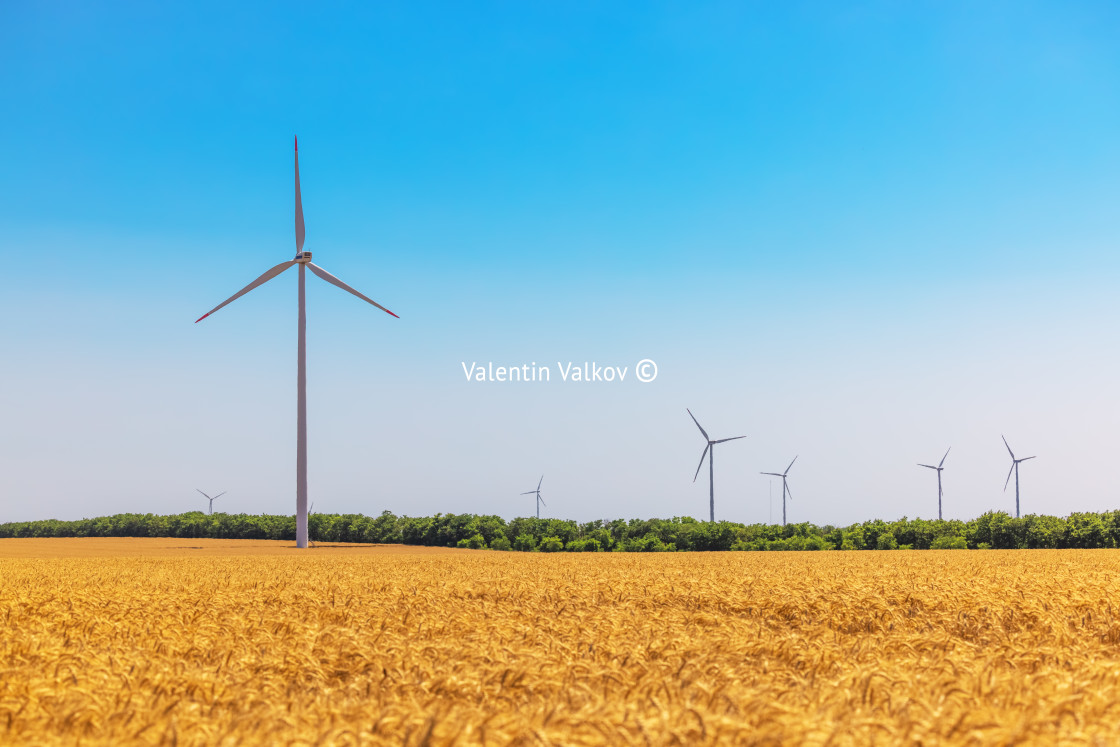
303	259
1015	469
940	466
537	492
219	495
785	487
709	452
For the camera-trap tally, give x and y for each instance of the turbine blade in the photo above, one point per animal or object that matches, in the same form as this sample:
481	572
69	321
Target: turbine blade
694	420
788	491
1009	451
299	207
942	463
927	465
1008	480
539	483
724	440
207	497
1026	458
335	281
791	464
772	474
219	495
259	281
529	492
542	501
702	455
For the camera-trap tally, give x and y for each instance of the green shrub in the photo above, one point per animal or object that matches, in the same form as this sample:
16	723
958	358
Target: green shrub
475	542
551	544
588	544
649	543
500	543
525	543
983	546
945	542
886	541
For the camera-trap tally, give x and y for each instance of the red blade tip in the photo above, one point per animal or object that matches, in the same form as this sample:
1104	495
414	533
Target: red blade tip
196	321
297	143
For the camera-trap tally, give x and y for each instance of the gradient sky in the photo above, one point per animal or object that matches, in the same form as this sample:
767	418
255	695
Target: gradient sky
856	234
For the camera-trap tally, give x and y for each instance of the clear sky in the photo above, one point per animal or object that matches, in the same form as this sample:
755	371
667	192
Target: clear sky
857	234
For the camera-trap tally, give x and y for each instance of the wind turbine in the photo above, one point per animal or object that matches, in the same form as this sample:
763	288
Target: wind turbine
1015	469
785	487
303	259
940	466
538	494
219	495
709	452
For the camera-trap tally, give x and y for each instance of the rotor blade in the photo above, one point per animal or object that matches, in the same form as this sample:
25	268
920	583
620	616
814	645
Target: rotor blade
259	281
542	501
1008	480
207	497
219	495
788	491
772	474
529	492
791	464
694	420
335	281
702	455
927	465
1026	458
724	440
1009	451
942	463
299	207
539	483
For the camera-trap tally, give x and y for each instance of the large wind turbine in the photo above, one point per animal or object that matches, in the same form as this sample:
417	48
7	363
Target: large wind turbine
785	488
1015	469
709	452
940	466
303	259
540	500
219	495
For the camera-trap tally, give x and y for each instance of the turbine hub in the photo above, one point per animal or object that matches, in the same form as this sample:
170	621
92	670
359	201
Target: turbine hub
303	257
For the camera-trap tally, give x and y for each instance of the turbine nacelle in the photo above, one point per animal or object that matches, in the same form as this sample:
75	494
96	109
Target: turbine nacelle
303	258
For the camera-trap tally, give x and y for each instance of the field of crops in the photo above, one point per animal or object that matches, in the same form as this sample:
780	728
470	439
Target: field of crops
220	642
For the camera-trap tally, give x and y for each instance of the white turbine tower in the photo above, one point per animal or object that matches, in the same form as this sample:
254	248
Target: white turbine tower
940	466
537	492
785	487
1015	469
219	495
303	259
710	452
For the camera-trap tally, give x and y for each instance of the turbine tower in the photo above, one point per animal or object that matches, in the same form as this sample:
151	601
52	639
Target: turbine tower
537	492
709	451
303	259
1015	469
219	495
940	466
785	487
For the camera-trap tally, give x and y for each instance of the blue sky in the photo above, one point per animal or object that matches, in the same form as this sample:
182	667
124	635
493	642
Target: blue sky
856	234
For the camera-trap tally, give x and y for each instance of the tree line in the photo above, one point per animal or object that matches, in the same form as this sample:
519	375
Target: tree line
992	530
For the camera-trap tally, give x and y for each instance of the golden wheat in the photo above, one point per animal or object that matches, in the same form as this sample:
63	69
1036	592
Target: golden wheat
210	642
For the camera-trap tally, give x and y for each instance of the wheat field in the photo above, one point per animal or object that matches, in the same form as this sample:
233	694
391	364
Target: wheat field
147	641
